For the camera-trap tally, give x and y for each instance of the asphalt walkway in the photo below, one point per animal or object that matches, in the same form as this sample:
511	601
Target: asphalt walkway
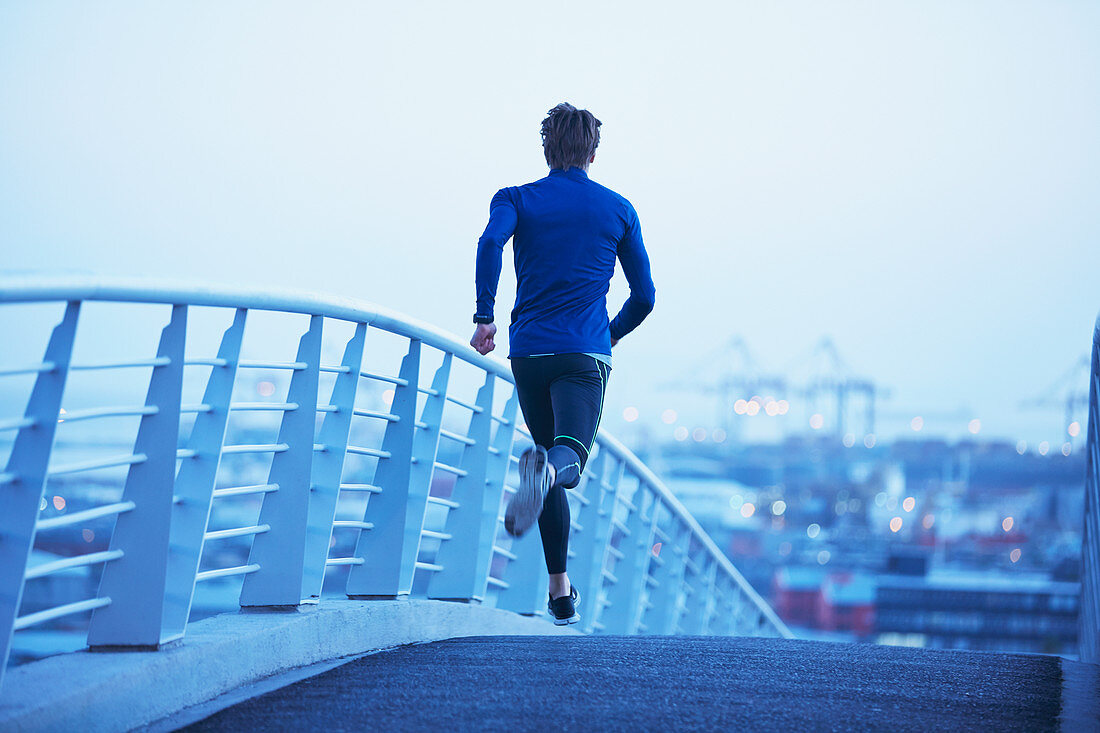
636	683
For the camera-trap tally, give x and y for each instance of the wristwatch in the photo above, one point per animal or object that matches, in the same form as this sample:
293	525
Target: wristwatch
482	319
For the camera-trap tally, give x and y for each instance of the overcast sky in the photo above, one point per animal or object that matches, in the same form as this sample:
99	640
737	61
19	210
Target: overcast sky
917	180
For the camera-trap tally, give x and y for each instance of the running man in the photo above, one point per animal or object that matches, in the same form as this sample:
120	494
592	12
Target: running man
567	231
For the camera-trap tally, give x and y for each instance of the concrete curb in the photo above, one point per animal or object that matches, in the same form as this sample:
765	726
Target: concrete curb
118	691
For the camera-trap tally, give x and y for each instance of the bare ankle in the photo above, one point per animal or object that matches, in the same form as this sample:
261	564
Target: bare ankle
559	585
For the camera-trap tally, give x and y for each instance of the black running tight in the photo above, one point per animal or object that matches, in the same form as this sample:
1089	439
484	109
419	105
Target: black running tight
561	397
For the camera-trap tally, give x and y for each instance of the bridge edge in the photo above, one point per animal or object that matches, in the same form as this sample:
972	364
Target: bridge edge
124	690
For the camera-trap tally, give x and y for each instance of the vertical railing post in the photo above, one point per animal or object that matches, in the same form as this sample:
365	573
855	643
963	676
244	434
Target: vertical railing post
1089	613
744	614
528	583
467	555
582	539
712	598
195	483
135	582
666	597
623	613
400	544
328	466
24	479
280	552
722	621
499	463
702	594
379	547
597	569
693	601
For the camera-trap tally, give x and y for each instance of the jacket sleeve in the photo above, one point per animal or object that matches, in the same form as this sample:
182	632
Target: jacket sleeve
635	264
490	249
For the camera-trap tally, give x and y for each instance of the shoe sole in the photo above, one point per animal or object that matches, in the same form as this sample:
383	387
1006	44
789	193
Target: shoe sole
566	621
526	504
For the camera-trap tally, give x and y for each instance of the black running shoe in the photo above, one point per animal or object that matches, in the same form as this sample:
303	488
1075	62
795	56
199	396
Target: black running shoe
564	609
534	481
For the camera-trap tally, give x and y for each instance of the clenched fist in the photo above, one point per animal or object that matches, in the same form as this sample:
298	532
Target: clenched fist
482	340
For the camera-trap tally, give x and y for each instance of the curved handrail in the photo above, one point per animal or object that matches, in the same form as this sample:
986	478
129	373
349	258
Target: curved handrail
74	290
174	292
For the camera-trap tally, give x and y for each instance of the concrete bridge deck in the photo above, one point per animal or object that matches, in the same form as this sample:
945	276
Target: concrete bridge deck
677	683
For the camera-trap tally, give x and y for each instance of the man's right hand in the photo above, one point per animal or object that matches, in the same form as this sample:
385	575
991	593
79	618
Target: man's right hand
482	340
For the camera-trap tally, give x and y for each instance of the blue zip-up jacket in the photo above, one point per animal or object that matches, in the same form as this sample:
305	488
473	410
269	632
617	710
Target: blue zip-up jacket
567	232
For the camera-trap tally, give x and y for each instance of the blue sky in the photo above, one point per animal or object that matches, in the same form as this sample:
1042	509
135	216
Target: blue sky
917	180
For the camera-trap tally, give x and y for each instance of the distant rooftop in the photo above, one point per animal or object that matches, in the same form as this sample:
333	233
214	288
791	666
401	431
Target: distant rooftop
980	581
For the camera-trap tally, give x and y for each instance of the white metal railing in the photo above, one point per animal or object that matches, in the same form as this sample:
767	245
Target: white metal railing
641	561
1089	623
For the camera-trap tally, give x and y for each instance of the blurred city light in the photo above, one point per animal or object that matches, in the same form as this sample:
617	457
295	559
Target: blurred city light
909	503
813	530
869	440
42	504
1067	448
680	433
740	407
87	534
668	416
719	435
59	503
630	414
752	408
699	435
817	420
974	426
880	498
1021	447
657	549
928	521
747	510
778	507
1015	555
387	397
785	549
895	524
1074	429
783	406
1007	524
266	389
823	557
917	423
1044	447
849	440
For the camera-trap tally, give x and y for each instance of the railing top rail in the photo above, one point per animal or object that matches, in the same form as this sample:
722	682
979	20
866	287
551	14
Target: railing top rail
32	289
174	292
